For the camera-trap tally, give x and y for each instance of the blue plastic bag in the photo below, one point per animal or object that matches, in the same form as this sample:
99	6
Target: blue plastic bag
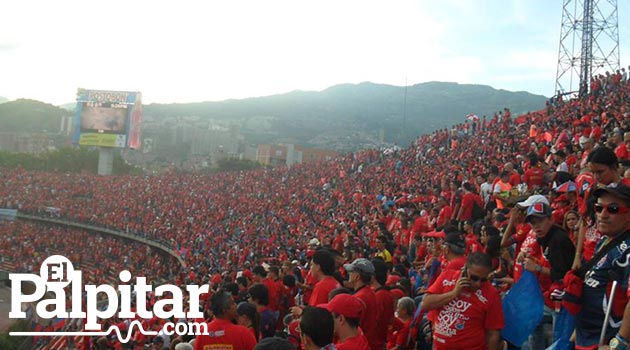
522	309
562	331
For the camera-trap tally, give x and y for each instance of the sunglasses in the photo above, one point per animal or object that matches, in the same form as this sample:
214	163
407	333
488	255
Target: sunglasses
477	278
611	208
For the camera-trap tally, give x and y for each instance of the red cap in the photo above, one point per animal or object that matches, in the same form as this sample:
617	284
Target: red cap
346	305
216	279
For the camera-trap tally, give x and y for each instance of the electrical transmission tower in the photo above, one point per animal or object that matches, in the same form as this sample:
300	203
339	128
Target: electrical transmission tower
589	43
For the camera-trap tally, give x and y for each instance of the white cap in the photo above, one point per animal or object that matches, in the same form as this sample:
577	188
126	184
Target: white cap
536	198
313	241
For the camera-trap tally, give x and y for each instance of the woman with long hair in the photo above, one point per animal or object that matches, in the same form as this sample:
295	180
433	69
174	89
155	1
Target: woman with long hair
570	224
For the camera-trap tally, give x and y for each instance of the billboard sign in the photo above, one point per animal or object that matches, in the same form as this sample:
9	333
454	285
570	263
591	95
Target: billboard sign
108	118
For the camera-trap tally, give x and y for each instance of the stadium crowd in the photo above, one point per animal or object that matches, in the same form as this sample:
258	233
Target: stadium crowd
445	227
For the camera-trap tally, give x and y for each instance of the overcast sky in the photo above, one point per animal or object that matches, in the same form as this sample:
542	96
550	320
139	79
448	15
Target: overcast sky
187	51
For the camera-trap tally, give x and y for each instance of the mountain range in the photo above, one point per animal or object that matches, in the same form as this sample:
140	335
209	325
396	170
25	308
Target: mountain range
347	116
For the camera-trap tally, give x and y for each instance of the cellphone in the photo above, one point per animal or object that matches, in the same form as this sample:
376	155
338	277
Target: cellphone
465	271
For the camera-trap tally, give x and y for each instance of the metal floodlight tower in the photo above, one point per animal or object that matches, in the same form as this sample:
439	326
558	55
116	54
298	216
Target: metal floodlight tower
589	43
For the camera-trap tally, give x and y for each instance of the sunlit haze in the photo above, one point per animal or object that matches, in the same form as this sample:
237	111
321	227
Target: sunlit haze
189	51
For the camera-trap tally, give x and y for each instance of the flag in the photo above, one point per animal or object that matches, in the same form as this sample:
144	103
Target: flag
472	117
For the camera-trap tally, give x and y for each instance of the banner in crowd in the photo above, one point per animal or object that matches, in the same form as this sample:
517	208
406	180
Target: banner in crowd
7	214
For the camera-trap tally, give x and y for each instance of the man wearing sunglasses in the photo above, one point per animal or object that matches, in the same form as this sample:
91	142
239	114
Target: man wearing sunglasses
612	211
465	309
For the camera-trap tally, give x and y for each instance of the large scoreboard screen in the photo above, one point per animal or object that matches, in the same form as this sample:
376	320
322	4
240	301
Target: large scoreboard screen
108	118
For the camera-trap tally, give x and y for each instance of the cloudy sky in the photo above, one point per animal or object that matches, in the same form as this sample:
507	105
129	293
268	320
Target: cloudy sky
185	51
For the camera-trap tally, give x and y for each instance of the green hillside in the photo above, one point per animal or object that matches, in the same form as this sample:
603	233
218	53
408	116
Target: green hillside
342	110
30	116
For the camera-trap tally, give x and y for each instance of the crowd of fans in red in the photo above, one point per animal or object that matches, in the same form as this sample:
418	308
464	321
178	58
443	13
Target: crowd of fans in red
222	223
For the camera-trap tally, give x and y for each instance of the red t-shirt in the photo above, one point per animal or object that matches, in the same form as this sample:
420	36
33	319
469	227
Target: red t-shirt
400	336
591	237
533	177
385	303
322	289
358	342
472	244
225	335
420	225
445	215
519	236
532	248
273	293
515	178
311	281
463	322
369	317
456	264
467	205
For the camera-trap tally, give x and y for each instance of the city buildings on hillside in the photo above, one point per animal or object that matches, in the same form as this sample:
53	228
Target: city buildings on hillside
289	154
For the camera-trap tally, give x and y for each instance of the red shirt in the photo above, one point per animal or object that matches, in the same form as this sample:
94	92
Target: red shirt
420	225
445	215
358	342
591	237
385	303
369	317
225	336
311	281
515	178
533	177
456	264
322	289
399	337
467	205
519	236
273	293
463	322
472	244
532	248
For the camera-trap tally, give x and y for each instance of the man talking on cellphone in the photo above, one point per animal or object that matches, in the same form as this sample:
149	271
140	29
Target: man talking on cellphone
465	310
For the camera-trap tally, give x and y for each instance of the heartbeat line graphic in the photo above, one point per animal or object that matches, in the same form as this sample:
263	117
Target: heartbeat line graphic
108	332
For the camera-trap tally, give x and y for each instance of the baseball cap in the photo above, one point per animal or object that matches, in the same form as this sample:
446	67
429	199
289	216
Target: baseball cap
540	210
313	241
620	191
345	304
360	265
454	238
536	198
